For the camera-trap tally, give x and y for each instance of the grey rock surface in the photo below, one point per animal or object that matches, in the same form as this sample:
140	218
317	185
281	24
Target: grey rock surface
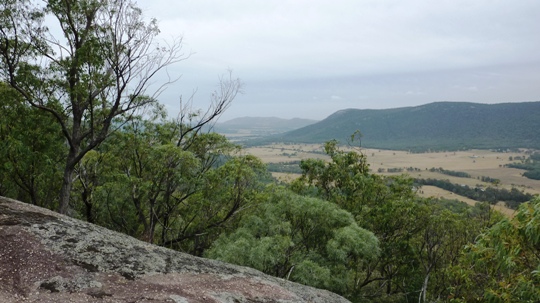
48	257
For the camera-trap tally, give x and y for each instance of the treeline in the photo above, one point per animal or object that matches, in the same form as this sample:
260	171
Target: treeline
530	164
285	167
398	169
450	172
513	198
489	179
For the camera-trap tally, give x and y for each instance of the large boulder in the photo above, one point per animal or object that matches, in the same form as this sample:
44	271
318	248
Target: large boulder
48	257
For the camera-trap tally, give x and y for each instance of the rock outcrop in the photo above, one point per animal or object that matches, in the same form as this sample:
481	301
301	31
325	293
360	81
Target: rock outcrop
47	257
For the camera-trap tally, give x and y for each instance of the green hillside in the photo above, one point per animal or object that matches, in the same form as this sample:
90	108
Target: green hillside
438	126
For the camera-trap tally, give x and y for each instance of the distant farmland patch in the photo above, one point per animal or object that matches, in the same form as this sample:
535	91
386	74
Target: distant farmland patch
474	168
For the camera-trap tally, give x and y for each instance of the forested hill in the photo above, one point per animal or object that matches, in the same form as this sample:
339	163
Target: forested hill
440	125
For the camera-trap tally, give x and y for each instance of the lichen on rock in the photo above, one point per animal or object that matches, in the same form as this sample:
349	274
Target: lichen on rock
47	257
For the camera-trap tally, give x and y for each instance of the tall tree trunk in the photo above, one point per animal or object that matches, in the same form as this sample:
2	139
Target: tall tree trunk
67	183
423	292
88	205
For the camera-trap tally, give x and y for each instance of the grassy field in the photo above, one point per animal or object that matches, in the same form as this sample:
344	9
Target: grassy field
477	163
432	191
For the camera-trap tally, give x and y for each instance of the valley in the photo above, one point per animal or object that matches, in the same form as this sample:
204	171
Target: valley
476	163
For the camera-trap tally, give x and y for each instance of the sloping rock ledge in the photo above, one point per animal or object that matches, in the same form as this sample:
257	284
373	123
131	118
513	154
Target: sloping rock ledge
47	257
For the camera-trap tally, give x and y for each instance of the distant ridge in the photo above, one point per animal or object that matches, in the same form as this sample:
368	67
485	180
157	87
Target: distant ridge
438	126
261	125
266	121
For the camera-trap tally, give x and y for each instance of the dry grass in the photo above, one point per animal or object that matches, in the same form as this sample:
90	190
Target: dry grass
285	177
477	163
429	191
285	153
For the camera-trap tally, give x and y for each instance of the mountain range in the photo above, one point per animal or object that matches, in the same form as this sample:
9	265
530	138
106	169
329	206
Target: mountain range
437	126
260	126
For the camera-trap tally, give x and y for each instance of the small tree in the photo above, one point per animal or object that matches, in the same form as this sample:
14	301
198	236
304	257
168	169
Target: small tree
97	66
30	155
307	240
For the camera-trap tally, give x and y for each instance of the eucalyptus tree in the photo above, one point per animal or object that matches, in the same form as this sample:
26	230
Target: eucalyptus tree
93	58
438	247
142	182
385	206
417	240
31	149
303	239
503	265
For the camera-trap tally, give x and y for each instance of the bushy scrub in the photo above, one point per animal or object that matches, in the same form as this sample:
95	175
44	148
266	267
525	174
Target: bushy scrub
504	263
303	239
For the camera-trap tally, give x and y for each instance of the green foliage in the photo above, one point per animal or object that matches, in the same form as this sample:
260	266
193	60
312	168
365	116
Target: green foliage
450	172
438	247
285	167
490	180
419	239
338	226
454	206
90	74
156	183
345	180
503	264
533	174
531	165
362	235
31	150
303	239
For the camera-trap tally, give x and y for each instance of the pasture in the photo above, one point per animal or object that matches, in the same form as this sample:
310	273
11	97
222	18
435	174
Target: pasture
476	163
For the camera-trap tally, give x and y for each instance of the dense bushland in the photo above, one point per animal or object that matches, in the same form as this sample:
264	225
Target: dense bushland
339	226
72	139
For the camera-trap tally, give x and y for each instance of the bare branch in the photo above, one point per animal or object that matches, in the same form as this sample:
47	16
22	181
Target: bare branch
96	72
193	121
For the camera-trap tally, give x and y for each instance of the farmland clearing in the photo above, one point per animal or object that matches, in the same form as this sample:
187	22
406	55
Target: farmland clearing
476	163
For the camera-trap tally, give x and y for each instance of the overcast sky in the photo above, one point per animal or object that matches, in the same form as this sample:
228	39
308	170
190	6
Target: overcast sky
308	59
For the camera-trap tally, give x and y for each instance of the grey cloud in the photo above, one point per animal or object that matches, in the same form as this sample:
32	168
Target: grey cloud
291	51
